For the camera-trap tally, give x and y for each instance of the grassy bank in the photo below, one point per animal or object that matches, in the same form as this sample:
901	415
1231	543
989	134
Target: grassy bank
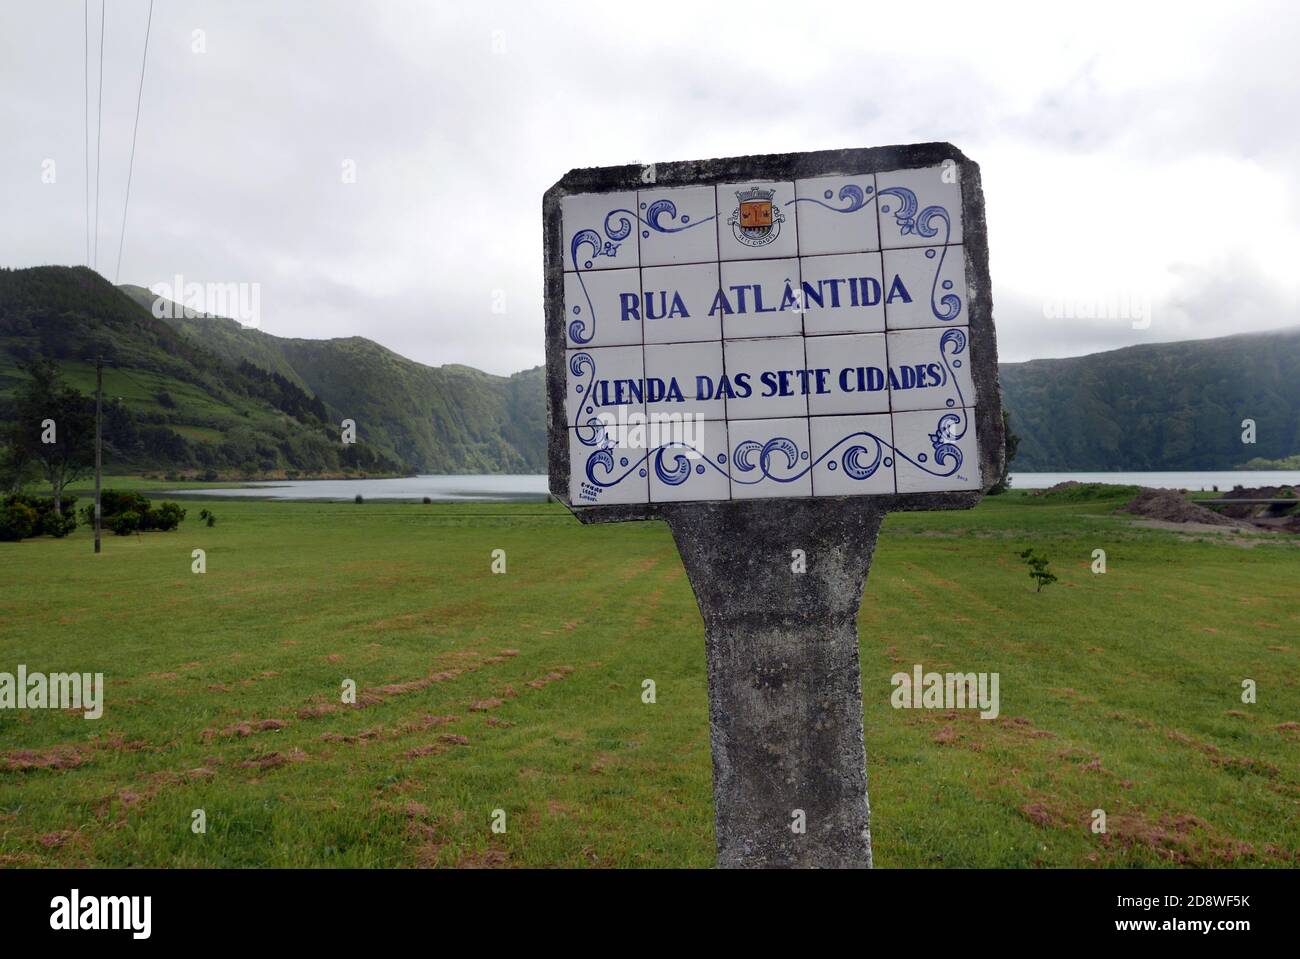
522	692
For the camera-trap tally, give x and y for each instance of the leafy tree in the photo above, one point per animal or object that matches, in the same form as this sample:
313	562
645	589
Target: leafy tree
44	397
16	471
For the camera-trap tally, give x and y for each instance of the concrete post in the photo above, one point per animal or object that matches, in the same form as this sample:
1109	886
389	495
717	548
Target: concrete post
785	689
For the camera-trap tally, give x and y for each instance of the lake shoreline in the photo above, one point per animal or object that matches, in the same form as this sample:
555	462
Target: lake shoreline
532	488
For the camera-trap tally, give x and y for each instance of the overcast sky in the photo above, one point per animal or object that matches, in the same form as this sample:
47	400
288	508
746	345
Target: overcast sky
1135	156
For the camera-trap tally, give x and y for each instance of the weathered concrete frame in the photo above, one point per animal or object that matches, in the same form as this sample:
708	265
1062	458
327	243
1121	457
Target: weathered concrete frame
786	166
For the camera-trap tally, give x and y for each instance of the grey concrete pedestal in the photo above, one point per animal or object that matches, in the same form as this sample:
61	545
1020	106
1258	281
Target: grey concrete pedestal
785	690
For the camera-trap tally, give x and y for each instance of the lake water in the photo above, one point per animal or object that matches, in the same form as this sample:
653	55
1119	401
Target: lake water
532	488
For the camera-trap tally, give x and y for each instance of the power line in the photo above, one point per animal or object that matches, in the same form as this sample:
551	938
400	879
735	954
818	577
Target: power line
85	10
99	127
134	130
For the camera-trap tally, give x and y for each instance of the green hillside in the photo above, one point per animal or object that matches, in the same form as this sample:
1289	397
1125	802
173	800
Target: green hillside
445	419
203	392
1166	406
170	402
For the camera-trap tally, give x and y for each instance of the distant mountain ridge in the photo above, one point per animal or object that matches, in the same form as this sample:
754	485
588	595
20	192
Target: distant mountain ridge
1159	406
1166	406
437	419
201	391
168	401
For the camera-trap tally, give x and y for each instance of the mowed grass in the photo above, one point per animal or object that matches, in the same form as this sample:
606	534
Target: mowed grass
522	692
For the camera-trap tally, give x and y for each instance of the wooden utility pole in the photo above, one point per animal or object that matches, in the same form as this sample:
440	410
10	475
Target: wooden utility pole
99	436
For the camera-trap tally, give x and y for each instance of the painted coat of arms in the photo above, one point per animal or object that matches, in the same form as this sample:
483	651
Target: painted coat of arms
756	221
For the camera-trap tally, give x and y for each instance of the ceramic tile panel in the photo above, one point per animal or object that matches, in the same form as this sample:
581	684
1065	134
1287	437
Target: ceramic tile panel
678	303
765	378
690	462
769	458
929	369
847	374
852	455
771	338
842	293
604	471
606	384
935	450
602	308
760	298
756	220
677	225
599	231
919	207
837	214
685	379
925	286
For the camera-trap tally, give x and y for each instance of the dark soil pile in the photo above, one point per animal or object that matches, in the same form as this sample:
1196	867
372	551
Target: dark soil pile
1059	487
1172	507
1249	511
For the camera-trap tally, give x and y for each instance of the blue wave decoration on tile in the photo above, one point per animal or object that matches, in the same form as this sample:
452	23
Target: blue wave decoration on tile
755	462
910	222
580	330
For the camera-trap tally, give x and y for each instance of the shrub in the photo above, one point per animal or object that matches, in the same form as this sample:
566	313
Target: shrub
112	502
47	523
205	514
58	526
141	514
1038	570
165	517
358	499
17	521
126	523
427	500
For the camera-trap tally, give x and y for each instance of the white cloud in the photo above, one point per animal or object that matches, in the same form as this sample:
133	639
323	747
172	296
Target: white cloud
1127	150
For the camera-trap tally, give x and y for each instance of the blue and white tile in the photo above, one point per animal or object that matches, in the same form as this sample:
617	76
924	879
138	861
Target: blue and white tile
919	207
930	369
683	378
847	374
852	455
925	287
837	214
599	231
690	464
678	302
769	458
605	384
935	450
763	378
606	472
760	298
756	220
842	294
677	225
602	308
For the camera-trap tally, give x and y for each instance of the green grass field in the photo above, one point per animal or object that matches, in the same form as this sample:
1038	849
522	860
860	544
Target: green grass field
522	692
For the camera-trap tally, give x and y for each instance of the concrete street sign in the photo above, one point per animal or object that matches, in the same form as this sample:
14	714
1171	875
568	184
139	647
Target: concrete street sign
770	353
